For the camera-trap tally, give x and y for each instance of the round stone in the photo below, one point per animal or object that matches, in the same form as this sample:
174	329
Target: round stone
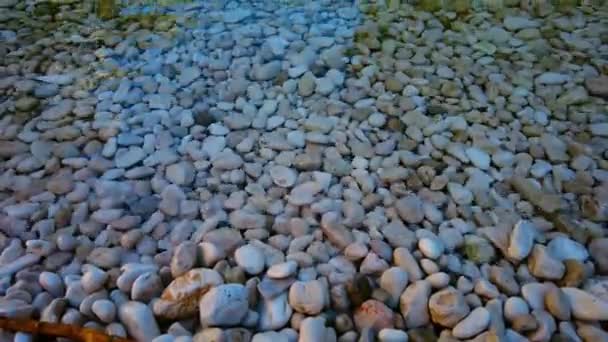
250	258
283	176
431	248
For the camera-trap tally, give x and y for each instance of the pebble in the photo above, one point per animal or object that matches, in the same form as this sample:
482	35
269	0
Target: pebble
557	303
146	286
180	173
373	314
308	297
394	281
392	335
350	159
129	157
460	194
410	209
478	157
413	304
269	336
599	129
139	320
283	176
213	145
312	329
597	86
586	306
52	283
304	193
184	258
544	265
266	72
514	307
176	299
104	257
224	306
250	258
534	294
514	23
105	310
236	15
448	307
274	313
563	248
476	322
431	247
521	240
405	260
282	270
58	111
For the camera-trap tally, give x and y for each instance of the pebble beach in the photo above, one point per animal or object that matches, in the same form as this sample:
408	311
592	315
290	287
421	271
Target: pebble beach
306	171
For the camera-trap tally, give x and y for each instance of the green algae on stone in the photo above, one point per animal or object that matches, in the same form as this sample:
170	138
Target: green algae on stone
361	36
164	22
478	249
565	5
234	275
26	103
460	6
107	9
485	47
45	8
431	5
281	78
351	51
370	10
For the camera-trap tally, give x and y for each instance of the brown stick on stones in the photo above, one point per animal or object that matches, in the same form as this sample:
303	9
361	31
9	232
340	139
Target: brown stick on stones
72	332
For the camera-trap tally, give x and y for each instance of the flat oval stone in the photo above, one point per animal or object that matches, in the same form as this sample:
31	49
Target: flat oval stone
139	321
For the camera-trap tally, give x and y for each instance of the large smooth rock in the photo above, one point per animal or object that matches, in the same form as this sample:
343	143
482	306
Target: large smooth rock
181	298
563	248
335	231
373	314
476	322
406	261
448	307
274	313
586	306
312	329
308	297
139	321
414	304
224	306
544	265
521	240
394	280
250	258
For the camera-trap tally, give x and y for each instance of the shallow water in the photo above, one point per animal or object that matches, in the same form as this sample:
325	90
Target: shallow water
306	170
